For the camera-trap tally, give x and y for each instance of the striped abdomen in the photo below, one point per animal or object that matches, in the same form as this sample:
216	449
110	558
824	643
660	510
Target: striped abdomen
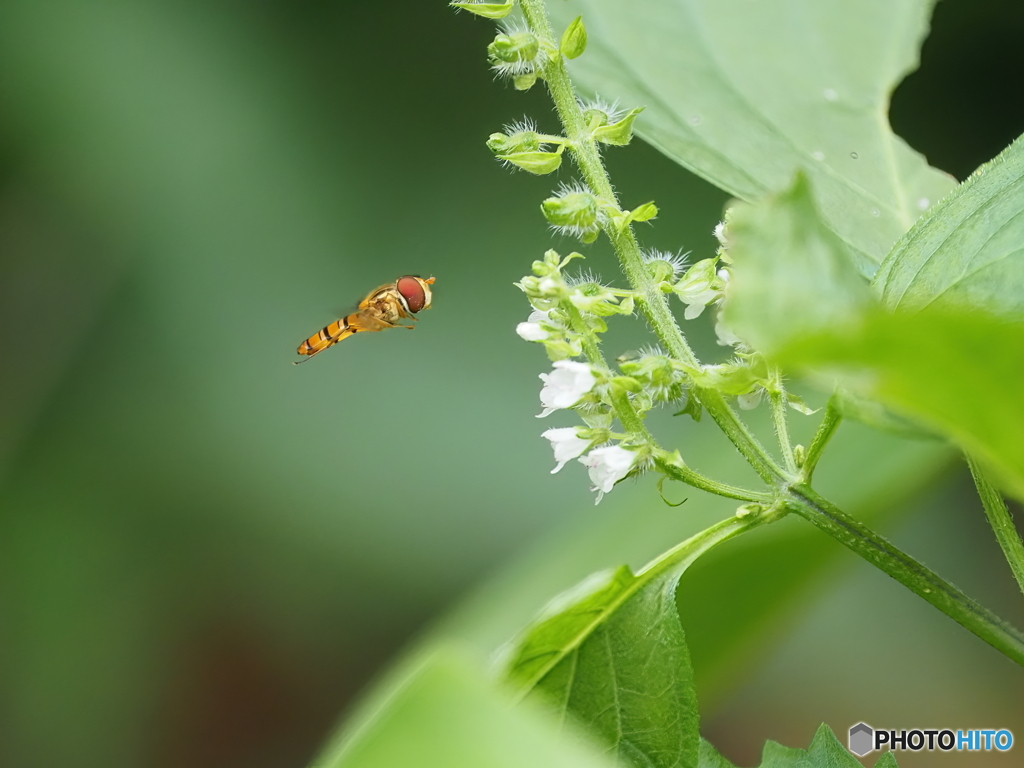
331	334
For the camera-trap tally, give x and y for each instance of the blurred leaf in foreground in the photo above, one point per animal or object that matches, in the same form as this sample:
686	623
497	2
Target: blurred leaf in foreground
446	714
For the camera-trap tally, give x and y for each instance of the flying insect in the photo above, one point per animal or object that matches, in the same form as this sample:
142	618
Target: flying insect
381	309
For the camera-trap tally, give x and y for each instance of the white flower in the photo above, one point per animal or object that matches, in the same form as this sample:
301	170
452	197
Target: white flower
696	301
698	288
607	466
565	444
564	386
532	330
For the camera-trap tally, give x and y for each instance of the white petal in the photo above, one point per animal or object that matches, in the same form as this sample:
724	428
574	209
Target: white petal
693	311
565	444
531	331
565	385
607	466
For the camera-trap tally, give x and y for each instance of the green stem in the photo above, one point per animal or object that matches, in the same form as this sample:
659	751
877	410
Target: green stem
777	400
651	300
826	429
1001	522
685	553
686	475
907	571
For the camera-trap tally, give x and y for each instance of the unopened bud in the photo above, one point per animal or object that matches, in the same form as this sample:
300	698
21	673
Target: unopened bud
574	209
574	39
513	48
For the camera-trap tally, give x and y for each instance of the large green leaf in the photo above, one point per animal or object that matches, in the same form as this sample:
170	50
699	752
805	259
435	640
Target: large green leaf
612	654
443	713
956	372
968	251
825	752
746	93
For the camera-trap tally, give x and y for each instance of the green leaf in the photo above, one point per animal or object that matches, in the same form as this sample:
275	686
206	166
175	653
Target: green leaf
957	373
443	713
967	251
744	94
612	654
825	751
792	275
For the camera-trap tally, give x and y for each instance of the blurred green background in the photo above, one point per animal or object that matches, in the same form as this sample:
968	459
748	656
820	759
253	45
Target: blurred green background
205	552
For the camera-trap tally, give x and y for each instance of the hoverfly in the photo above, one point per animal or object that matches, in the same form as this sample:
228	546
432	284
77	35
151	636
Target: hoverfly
383	308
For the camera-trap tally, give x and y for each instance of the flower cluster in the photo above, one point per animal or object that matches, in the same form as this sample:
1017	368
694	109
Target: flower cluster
555	296
658	378
568	385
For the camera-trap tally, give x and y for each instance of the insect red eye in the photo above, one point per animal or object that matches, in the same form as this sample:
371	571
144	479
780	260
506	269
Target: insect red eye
412	290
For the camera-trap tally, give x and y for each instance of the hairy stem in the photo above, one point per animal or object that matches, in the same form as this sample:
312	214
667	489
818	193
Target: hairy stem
826	429
777	400
686	475
907	571
651	300
1001	522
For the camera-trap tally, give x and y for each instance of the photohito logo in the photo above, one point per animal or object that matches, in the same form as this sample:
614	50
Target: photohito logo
864	739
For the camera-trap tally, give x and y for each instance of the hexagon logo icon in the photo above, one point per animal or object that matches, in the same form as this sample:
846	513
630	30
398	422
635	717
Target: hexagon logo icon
861	740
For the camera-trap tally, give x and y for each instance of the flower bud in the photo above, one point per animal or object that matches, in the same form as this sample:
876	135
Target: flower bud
595	116
574	39
799	455
590	297
487	10
663	267
521	141
576	209
513	48
749	510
